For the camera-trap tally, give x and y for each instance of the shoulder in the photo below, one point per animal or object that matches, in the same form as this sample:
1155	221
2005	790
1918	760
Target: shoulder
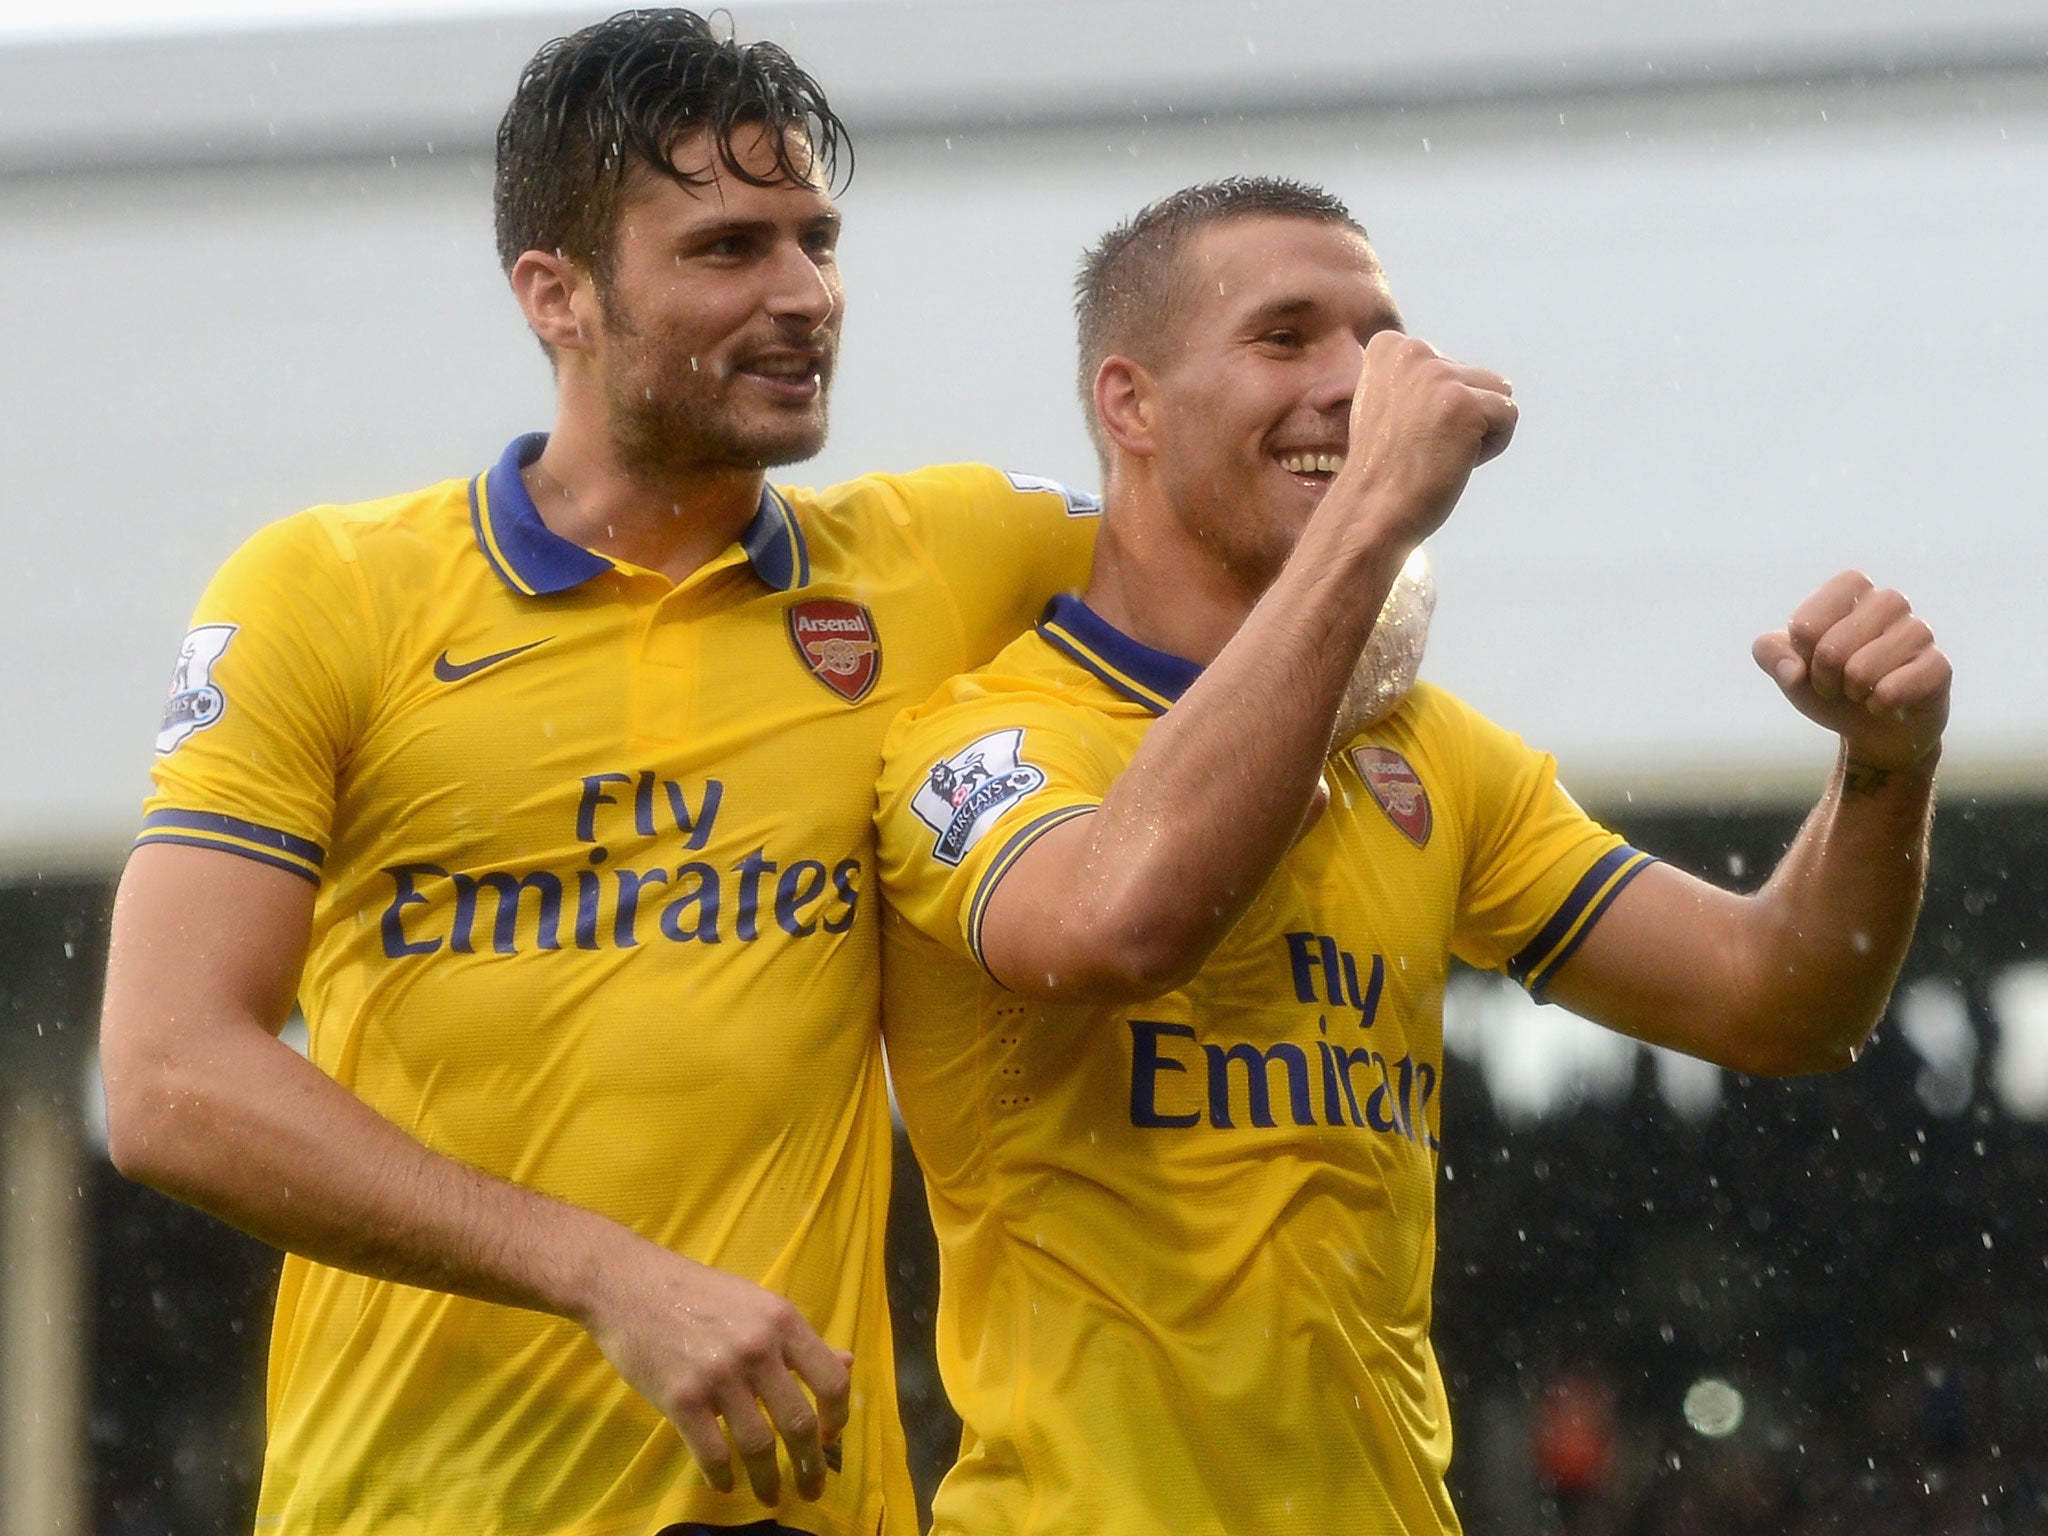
947	490
321	576
962	517
1028	690
335	533
1020	736
1028	681
430	521
1442	723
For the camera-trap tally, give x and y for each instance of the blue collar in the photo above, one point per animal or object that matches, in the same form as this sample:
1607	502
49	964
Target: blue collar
1153	678
531	557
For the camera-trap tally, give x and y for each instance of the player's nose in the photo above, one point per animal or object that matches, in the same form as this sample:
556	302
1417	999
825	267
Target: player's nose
1340	363
803	288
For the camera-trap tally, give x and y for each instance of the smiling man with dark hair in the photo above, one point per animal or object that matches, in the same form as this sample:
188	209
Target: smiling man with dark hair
547	794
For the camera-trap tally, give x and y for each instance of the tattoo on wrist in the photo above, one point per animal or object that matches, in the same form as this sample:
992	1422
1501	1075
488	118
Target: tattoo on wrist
1863	778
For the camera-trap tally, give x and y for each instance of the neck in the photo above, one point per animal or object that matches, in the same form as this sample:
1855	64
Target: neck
673	523
1152	582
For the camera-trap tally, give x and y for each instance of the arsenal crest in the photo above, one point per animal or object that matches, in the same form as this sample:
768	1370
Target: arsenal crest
836	640
1400	793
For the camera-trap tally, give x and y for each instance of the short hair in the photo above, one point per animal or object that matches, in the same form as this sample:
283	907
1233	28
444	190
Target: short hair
1131	290
593	108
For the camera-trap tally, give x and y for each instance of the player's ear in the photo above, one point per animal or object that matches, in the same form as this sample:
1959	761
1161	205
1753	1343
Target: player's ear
1126	404
556	296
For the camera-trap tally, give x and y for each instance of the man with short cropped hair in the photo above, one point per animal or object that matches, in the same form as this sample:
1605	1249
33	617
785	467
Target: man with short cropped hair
1177	879
547	793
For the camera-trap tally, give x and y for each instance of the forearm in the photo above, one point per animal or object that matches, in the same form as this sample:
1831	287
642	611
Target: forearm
1221	785
261	1138
1828	932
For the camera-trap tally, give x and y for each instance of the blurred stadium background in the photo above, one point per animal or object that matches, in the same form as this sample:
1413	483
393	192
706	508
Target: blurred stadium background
1768	277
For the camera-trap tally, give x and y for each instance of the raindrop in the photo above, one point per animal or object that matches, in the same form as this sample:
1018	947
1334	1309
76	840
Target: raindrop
1713	1408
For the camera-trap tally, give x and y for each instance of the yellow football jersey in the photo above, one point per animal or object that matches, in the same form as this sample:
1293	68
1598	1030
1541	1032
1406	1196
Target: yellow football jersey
1187	1245
595	914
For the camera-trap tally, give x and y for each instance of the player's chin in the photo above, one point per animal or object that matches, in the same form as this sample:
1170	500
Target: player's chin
791	440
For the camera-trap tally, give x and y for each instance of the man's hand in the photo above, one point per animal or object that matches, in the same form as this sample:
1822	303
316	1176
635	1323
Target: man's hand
1857	660
1420	424
702	1346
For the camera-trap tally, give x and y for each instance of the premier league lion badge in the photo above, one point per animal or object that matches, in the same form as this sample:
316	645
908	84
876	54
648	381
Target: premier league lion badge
836	640
1399	792
195	700
962	795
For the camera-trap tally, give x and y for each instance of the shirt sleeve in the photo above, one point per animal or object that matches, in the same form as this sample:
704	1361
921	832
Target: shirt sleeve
1540	872
263	698
969	782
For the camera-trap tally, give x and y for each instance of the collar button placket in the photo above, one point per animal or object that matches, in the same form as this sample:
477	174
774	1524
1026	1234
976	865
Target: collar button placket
666	655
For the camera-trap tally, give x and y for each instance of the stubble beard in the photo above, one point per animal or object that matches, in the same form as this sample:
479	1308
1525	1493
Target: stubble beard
674	423
671	416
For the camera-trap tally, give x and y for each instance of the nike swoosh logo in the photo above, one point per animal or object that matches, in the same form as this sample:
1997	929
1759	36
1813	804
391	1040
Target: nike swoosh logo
455	671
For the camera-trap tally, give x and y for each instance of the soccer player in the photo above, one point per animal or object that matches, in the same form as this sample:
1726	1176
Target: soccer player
549	794
1166	1029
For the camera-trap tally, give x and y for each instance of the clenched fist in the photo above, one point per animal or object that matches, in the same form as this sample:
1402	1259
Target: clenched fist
1856	659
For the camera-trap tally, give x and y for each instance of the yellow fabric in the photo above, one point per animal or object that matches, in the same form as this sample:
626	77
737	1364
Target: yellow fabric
596	917
1187	1245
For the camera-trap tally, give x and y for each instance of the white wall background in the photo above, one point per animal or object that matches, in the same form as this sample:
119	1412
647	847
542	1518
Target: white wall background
1769	280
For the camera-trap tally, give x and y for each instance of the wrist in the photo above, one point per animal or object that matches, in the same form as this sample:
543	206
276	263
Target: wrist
1351	550
594	1254
1866	773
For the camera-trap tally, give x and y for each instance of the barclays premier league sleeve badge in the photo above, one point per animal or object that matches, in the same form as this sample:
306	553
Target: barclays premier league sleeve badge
1079	503
195	701
963	794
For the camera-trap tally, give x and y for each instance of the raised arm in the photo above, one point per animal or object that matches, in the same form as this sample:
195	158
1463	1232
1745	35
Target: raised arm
205	1103
1793	978
1129	901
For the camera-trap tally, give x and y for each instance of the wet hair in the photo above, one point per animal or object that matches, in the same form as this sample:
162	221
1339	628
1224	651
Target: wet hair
596	108
1132	289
